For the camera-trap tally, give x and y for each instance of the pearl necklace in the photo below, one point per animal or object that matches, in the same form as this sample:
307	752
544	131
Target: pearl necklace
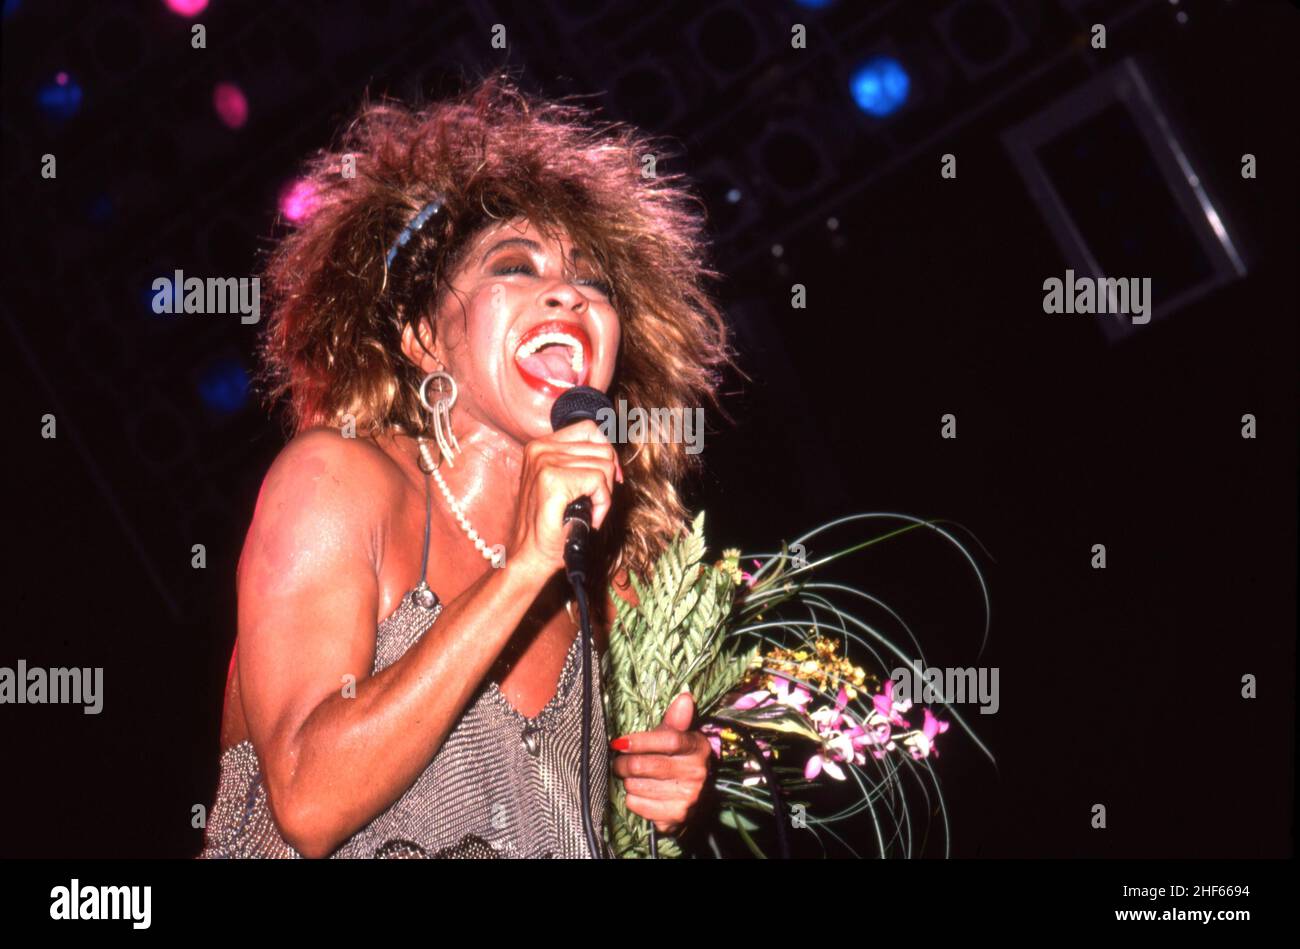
495	554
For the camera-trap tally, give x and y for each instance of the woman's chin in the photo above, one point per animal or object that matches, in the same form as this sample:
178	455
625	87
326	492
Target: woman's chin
530	405
530	415
534	425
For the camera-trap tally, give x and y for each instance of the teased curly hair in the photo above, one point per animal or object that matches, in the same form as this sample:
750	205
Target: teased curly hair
332	341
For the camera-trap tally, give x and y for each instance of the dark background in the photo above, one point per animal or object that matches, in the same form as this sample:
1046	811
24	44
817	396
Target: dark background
1119	686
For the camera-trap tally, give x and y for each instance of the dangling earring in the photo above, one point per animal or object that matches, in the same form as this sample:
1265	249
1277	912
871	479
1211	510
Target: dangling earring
449	447
441	412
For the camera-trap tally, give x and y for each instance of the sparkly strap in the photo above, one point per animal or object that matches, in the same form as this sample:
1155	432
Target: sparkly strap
428	520
421	594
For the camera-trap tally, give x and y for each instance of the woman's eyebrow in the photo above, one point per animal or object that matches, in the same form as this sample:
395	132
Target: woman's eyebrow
530	245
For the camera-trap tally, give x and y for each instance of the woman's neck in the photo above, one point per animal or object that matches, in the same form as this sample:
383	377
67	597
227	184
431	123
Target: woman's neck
483	477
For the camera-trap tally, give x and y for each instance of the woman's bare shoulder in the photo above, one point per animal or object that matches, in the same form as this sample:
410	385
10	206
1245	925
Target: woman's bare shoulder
324	485
325	499
323	457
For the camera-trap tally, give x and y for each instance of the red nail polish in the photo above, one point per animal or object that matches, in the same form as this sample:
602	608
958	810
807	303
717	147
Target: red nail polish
621	744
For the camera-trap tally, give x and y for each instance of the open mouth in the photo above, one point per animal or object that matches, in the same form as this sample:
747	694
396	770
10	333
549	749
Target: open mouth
554	356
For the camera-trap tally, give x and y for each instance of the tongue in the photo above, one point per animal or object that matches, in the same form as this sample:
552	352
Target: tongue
551	363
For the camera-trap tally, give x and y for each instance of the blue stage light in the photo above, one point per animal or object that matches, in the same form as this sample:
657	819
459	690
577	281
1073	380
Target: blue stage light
223	386
61	98
880	86
814	4
100	209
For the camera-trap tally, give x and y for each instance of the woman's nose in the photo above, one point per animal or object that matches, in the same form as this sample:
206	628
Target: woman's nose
562	293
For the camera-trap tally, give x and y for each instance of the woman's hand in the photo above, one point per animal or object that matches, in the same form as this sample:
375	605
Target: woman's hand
664	771
574	462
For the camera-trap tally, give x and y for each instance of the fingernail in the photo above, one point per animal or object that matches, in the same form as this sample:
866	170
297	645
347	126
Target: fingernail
621	744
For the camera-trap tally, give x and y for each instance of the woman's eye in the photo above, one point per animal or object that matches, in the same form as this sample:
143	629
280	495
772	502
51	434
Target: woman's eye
502	270
600	285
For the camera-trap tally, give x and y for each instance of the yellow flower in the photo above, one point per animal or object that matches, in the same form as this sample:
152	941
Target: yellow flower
730	565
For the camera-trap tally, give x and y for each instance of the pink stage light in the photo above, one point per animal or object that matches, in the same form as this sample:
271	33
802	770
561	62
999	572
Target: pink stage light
231	104
187	7
298	200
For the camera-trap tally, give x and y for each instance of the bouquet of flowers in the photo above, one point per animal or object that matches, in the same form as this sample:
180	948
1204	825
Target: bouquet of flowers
783	708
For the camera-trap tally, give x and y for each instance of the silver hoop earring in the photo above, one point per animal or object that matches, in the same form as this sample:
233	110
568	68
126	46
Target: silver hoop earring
441	412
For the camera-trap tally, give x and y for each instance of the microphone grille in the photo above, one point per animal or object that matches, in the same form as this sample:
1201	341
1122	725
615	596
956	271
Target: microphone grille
578	404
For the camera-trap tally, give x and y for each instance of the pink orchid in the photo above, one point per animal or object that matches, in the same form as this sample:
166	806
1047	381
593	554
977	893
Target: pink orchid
749	578
836	749
713	733
841	738
790	694
888	709
784	692
884	739
922	743
875	733
818	763
752	699
827	718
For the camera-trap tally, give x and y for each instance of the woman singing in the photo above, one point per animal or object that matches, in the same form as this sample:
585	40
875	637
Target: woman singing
406	678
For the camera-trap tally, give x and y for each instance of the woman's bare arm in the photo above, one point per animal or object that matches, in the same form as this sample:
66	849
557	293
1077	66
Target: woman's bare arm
308	597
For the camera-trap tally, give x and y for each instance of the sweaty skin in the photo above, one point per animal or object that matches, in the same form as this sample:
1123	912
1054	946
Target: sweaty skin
336	540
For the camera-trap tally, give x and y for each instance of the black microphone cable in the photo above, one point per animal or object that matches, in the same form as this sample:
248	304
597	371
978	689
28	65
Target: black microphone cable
584	778
575	405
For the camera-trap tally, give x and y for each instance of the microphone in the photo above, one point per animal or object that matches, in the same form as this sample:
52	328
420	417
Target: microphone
576	405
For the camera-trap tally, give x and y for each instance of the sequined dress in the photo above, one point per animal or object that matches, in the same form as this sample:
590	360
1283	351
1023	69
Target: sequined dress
501	784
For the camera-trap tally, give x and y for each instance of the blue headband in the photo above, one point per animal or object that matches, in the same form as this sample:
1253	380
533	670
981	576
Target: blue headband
426	212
